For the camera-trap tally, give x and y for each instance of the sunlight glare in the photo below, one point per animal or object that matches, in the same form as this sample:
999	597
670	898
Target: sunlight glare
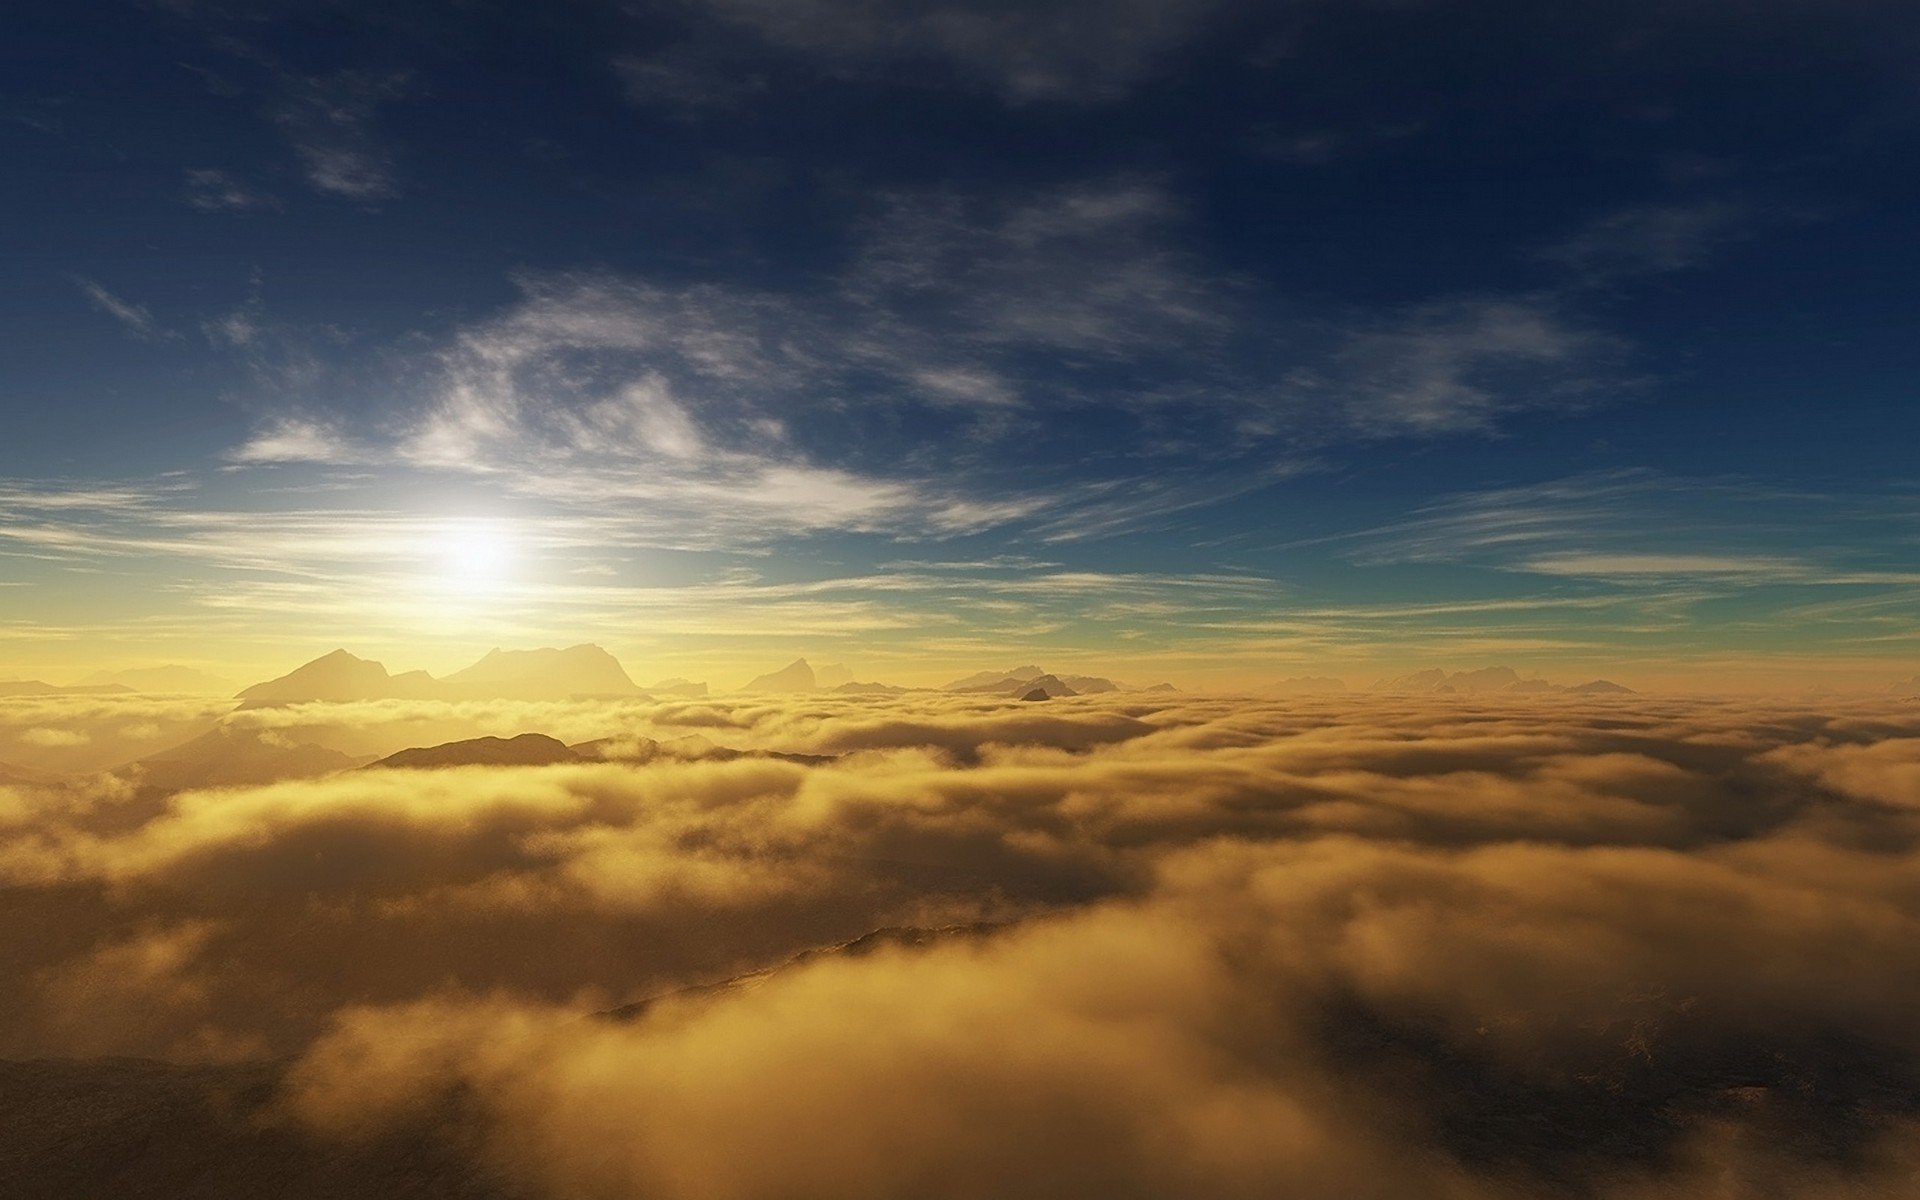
475	557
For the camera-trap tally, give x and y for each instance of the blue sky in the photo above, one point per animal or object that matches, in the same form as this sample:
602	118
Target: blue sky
1184	338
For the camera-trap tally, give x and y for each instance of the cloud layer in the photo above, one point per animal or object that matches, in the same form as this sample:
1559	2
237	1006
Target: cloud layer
1326	946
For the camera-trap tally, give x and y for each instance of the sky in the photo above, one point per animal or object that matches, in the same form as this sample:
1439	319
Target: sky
1195	340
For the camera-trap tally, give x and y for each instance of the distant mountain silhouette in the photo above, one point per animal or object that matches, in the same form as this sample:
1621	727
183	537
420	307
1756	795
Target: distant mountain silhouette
1052	685
1486	679
796	676
832	675
990	680
1593	687
1038	693
173	679
1420	681
525	750
1309	685
870	689
231	756
35	687
539	750
545	674
1489	679
677	687
1021	680
1019	684
338	677
1601	687
630	750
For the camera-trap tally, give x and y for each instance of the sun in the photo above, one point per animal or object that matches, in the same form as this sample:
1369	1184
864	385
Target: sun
475	556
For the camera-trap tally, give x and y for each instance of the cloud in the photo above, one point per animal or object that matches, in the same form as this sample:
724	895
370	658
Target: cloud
1455	366
290	439
1074	1074
1669	566
61	734
1091	269
136	319
255	560
921	387
1652	238
733	413
685	78
330	121
1883	772
740	408
1055	51
1336	945
47	737
1692	538
142	986
674	408
211	190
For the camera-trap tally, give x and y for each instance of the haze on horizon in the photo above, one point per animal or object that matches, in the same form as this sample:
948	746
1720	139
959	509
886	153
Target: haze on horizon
860	599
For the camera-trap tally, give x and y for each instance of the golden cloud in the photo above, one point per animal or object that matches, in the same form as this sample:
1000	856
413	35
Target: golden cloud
1373	946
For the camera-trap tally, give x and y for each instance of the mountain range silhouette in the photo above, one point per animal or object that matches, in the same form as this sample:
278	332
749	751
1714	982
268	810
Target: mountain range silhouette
544	674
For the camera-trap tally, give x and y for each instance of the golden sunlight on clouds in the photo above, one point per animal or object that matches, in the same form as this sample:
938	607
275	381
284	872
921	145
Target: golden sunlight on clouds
957	946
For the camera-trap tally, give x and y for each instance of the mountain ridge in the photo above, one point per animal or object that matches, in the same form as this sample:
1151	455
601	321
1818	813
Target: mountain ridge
546	673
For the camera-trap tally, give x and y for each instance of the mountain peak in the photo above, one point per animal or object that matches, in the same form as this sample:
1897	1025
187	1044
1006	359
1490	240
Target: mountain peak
547	673
543	674
522	750
336	676
796	676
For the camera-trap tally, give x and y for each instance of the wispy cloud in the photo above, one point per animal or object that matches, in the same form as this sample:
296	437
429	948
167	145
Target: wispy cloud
738	413
1653	238
365	574
291	439
982	332
1456	365
1629	566
1316	147
1640	529
1073	51
679	411
1094	269
691	78
136	319
220	191
330	121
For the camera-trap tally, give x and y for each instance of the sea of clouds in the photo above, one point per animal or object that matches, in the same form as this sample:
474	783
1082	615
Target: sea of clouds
1209	947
